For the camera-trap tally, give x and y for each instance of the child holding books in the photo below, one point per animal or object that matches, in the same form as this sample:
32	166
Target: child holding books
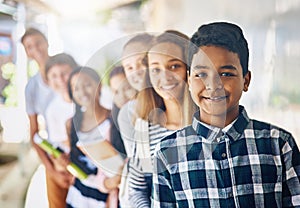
58	69
90	136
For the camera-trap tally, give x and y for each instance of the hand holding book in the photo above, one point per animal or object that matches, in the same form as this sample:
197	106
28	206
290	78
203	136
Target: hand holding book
51	150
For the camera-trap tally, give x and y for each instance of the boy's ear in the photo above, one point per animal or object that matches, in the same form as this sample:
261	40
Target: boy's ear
99	88
247	79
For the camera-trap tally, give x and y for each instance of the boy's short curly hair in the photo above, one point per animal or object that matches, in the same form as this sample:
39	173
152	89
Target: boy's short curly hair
32	31
221	34
60	59
116	71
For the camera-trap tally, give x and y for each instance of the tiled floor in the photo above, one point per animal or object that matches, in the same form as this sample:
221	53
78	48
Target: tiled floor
15	176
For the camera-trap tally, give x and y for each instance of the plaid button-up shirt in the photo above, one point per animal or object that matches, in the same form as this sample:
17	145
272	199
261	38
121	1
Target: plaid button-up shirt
253	164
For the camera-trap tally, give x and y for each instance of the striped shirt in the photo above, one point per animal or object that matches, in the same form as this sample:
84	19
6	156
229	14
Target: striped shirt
80	195
253	164
86	193
140	182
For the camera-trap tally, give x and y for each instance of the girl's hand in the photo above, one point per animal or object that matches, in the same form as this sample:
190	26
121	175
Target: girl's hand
63	160
63	178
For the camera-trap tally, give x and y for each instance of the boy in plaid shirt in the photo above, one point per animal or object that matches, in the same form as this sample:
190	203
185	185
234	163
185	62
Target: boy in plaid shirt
224	159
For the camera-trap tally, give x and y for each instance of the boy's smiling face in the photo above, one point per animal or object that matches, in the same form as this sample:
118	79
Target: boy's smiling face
216	84
36	47
134	66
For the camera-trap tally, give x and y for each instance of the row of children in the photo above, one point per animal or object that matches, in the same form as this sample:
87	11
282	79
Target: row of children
177	121
60	87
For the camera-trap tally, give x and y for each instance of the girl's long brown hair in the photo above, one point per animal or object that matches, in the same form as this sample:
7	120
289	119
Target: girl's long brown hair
149	103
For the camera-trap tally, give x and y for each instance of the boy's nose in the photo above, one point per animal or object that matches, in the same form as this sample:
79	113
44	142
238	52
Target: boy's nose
61	79
213	83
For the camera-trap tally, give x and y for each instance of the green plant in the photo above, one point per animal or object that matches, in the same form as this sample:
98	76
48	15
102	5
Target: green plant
10	91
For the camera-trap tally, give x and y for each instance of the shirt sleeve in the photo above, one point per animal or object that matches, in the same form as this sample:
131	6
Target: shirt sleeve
291	174
138	190
29	98
125	122
162	194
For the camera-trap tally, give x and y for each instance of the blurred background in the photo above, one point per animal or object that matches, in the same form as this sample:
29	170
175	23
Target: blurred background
84	28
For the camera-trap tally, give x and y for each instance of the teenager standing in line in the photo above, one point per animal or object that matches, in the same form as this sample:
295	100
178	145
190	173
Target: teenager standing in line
38	95
134	62
225	159
161	106
91	123
58	112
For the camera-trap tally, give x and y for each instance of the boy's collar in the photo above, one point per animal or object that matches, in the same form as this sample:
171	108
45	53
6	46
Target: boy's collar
233	130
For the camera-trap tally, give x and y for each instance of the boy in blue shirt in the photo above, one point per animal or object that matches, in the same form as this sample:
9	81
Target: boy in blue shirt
224	159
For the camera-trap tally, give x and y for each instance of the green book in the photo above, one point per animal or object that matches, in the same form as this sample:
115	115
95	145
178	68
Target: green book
51	150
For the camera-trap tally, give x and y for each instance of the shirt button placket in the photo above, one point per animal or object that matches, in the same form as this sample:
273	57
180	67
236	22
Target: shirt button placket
224	155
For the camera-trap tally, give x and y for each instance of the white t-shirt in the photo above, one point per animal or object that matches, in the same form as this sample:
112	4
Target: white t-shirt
56	116
97	134
37	95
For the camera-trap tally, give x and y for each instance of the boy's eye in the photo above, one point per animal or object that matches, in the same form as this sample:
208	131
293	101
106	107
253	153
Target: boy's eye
65	73
201	75
226	74
128	68
155	70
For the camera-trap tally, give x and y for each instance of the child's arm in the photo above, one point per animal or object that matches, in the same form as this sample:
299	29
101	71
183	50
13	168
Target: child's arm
109	184
162	193
102	182
138	189
41	153
291	174
113	182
